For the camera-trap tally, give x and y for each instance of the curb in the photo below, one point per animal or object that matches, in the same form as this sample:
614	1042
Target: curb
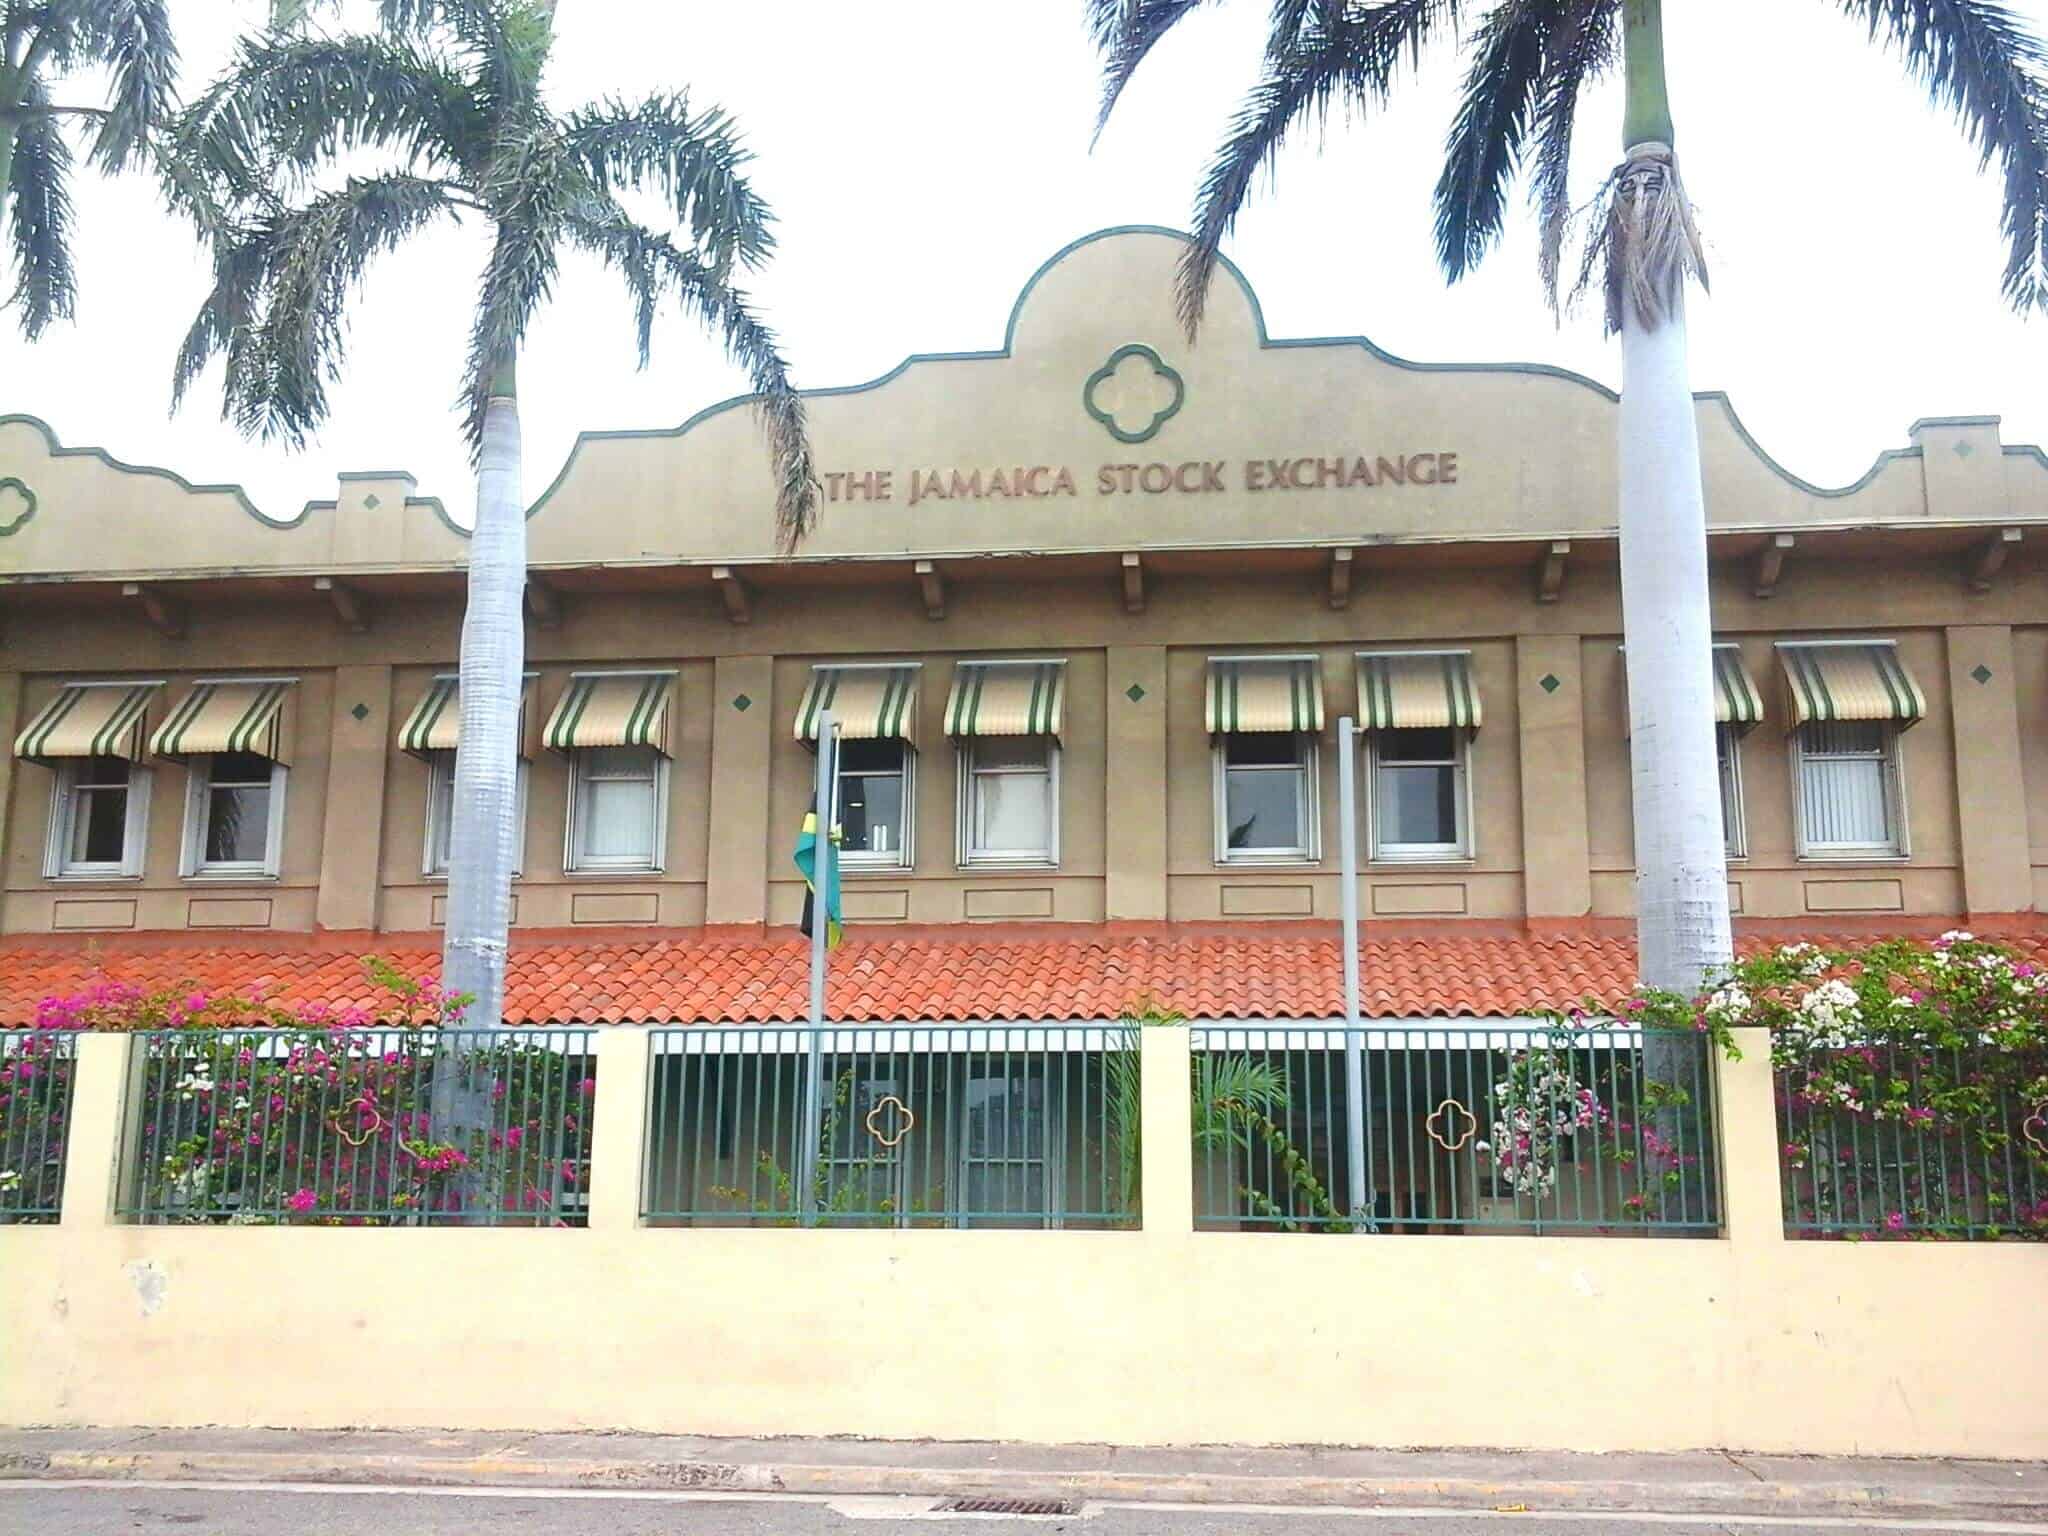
1705	1498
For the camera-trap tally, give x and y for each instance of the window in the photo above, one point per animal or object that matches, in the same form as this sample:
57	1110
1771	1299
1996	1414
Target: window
441	815
1420	808
1266	797
617	809
1009	800
1850	800
99	816
1728	752
234	815
874	777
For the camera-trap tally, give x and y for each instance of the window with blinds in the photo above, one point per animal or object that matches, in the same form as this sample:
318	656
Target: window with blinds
1850	805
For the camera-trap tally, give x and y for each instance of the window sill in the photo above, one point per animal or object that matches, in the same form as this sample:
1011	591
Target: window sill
1854	860
1278	861
649	873
229	877
94	878
1384	863
1008	867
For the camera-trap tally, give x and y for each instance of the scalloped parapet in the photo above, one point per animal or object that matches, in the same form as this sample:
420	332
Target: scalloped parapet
1094	426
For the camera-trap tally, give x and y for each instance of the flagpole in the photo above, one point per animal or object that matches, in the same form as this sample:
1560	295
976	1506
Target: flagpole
1354	1054
822	874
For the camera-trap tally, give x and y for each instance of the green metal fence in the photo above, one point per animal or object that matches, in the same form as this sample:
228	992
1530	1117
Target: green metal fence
1444	1130
915	1126
35	1114
1910	1139
361	1127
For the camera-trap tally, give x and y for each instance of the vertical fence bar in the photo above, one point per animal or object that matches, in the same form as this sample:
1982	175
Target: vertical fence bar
1354	1046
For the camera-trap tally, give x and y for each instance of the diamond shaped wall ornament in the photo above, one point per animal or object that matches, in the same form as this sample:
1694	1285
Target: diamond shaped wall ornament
1133	394
1964	450
372	502
1982	673
361	712
1548	682
1134	693
17	505
742	703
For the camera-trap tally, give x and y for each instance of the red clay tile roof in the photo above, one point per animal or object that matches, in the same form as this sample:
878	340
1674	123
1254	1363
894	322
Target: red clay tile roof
1279	971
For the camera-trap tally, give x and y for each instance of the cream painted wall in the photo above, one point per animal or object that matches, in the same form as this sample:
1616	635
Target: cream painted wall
1167	840
1164	1336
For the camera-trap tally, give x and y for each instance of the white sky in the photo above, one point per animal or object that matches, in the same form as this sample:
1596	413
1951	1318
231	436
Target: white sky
924	156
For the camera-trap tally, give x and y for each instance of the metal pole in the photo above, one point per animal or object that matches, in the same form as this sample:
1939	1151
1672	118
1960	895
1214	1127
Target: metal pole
1354	1046
823	868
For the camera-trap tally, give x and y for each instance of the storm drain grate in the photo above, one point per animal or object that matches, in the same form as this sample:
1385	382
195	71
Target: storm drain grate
1006	1507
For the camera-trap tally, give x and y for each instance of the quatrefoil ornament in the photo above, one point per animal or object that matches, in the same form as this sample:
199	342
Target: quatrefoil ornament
1456	1120
1133	394
376	1122
2034	1129
906	1122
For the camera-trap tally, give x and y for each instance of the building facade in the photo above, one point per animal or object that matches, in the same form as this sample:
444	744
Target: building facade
1088	604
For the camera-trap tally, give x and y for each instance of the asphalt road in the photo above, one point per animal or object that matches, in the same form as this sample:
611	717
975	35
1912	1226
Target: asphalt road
120	1509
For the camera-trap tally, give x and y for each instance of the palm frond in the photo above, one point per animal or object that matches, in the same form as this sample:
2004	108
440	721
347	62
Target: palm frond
296	102
533	189
1125	31
1484	150
654	265
1978	59
39	188
1584	46
132	40
696	160
1330	56
506	41
277	309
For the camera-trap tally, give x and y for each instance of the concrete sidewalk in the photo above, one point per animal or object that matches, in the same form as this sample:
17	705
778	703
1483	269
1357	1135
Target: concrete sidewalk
1713	1483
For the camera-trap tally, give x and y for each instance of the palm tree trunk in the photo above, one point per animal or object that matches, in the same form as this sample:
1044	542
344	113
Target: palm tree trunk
485	823
485	829
1681	854
1682	928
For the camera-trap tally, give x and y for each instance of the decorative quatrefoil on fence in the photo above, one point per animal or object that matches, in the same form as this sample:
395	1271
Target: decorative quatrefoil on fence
1457	1120
376	1122
2035	1129
906	1122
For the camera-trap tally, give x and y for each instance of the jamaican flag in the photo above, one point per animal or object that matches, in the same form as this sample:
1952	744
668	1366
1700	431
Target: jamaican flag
807	847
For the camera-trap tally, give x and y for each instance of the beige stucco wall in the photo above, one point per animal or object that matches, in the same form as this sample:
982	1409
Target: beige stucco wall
1127	850
627	535
1160	1336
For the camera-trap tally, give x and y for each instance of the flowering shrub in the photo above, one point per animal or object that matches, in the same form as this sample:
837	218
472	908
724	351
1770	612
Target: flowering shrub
1912	1082
1912	1085
252	1111
1538	1105
35	1112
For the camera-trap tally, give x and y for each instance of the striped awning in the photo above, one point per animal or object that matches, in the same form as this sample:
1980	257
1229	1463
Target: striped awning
1283	694
435	725
867	703
228	717
1861	681
1007	699
612	709
1417	691
90	720
1737	699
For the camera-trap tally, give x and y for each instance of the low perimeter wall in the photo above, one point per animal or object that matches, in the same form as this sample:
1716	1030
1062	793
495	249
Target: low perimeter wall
1160	1336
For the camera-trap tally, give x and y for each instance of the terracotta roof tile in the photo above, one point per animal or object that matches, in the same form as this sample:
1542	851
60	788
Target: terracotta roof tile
938	975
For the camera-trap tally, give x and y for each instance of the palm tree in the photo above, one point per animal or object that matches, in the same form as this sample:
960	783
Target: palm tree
450	93
42	43
1529	63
